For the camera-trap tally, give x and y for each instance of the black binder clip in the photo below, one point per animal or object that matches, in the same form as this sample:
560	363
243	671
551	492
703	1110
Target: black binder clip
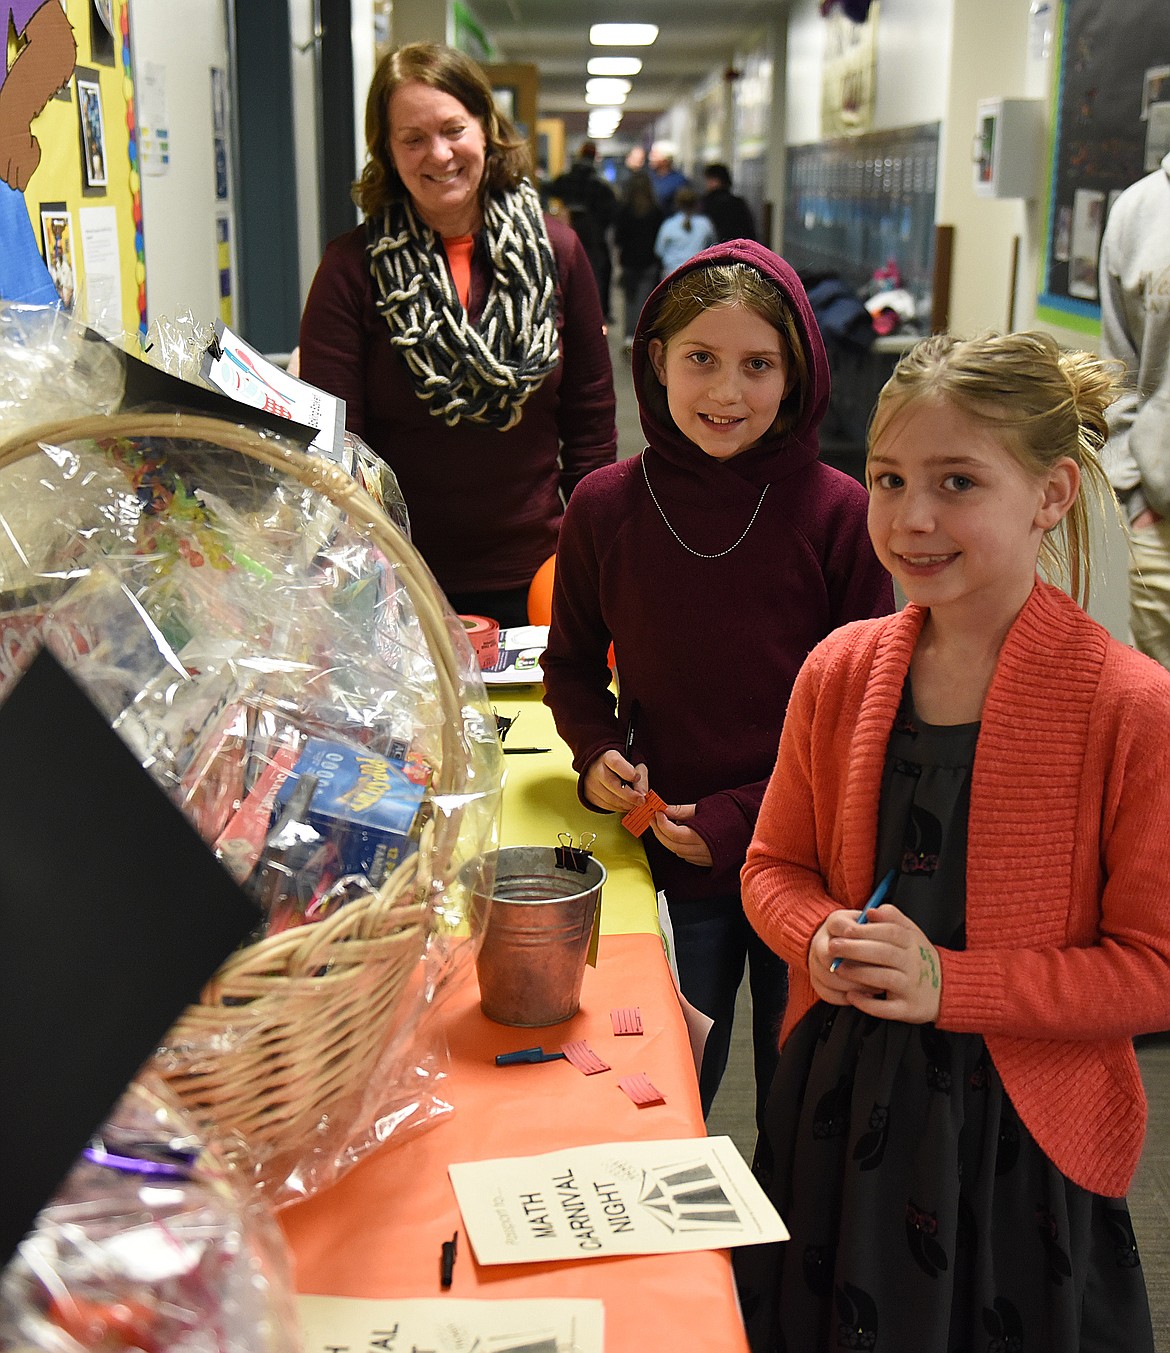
214	351
574	857
504	722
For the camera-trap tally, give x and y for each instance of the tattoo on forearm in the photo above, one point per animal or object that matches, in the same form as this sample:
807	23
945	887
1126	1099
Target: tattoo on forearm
929	972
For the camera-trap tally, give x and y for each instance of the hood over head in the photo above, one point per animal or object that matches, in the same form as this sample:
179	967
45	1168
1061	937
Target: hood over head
779	453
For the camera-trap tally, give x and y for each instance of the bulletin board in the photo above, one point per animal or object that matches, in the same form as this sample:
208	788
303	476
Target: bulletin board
84	199
1104	86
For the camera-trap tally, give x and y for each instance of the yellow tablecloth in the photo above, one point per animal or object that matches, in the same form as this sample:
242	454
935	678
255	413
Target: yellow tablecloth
540	800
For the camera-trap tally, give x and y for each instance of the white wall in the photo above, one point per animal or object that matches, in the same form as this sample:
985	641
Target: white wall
303	60
179	204
801	81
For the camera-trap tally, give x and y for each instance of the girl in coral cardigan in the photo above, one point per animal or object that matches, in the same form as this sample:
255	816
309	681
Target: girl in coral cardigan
958	1110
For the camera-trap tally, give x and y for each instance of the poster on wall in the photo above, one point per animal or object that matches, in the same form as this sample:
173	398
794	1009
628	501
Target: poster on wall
1106	97
849	73
219	132
57	237
154	136
93	131
103	269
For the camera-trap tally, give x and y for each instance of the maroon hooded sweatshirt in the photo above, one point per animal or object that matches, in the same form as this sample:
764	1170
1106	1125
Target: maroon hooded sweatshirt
708	648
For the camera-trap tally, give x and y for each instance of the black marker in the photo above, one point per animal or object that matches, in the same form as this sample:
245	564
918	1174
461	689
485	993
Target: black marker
630	727
447	1262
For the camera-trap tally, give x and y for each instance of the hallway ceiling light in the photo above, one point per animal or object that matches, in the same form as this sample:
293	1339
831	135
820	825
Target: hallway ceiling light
603	117
606	91
602	131
614	65
623	34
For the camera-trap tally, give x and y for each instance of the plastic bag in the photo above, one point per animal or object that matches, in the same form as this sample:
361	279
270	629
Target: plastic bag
284	666
150	1243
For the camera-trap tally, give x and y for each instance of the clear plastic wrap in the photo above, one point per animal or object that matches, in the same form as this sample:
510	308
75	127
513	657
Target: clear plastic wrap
278	657
150	1243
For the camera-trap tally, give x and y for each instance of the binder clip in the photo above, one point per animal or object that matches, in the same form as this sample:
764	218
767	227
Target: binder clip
504	722
574	857
214	350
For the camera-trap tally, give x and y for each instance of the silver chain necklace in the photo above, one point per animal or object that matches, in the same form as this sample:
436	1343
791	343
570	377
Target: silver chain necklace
699	553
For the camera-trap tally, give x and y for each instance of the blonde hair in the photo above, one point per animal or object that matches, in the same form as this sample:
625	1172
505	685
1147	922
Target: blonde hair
1044	403
717	287
507	160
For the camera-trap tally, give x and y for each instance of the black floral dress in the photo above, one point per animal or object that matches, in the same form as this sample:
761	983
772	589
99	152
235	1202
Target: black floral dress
924	1217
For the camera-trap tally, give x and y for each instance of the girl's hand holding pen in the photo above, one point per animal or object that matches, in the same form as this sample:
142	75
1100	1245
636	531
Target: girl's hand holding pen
614	784
889	968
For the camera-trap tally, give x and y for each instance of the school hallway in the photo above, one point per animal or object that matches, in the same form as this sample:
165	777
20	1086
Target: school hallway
733	1113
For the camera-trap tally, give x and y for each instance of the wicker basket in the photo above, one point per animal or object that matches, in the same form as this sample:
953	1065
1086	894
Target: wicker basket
298	1021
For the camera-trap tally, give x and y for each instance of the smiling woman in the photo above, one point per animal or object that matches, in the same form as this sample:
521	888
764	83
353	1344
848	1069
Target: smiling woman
463	329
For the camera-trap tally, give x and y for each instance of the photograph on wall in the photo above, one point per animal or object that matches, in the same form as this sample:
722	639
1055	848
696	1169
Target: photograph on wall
1088	221
1156	89
57	238
93	133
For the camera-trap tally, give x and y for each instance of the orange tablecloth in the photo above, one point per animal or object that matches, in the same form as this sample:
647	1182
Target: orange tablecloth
378	1232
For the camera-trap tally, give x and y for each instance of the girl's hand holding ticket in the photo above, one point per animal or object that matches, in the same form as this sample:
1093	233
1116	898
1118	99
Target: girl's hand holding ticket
683	841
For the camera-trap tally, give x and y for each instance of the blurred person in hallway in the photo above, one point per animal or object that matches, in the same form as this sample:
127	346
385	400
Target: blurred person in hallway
1135	329
590	207
686	233
463	329
635	232
728	213
667	180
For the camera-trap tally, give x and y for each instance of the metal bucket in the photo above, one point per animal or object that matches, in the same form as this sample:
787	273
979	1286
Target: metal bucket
532	959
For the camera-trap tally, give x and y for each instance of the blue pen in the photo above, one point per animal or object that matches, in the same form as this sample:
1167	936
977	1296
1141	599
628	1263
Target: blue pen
875	901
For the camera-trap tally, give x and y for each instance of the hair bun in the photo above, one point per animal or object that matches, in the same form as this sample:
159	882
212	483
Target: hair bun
1094	386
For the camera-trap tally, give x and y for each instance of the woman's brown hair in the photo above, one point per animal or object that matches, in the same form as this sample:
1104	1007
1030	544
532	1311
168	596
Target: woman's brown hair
507	160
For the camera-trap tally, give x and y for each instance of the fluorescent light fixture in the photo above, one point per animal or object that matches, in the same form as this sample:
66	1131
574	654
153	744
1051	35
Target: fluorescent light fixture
623	34
603	96
607	91
604	117
614	65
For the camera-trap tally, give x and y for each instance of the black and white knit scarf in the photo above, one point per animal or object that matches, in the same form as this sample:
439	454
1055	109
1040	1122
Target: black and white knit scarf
479	372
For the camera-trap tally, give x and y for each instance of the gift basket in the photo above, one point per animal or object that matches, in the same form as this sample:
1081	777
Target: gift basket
266	640
150	1244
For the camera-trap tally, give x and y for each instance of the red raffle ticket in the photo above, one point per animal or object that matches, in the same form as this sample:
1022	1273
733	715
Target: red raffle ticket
582	1056
641	1090
638	819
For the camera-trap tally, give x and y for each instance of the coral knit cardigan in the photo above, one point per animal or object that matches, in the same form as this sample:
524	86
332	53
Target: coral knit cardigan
1068	860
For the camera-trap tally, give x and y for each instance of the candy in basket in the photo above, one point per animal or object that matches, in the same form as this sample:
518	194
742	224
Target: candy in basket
278	657
150	1243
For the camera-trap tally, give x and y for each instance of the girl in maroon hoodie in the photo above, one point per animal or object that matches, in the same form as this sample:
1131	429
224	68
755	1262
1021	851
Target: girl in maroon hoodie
714	561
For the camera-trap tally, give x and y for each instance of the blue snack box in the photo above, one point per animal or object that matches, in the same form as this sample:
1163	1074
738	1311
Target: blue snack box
365	805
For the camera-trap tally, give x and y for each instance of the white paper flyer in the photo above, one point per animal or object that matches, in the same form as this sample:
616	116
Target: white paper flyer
445	1325
243	374
614	1198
